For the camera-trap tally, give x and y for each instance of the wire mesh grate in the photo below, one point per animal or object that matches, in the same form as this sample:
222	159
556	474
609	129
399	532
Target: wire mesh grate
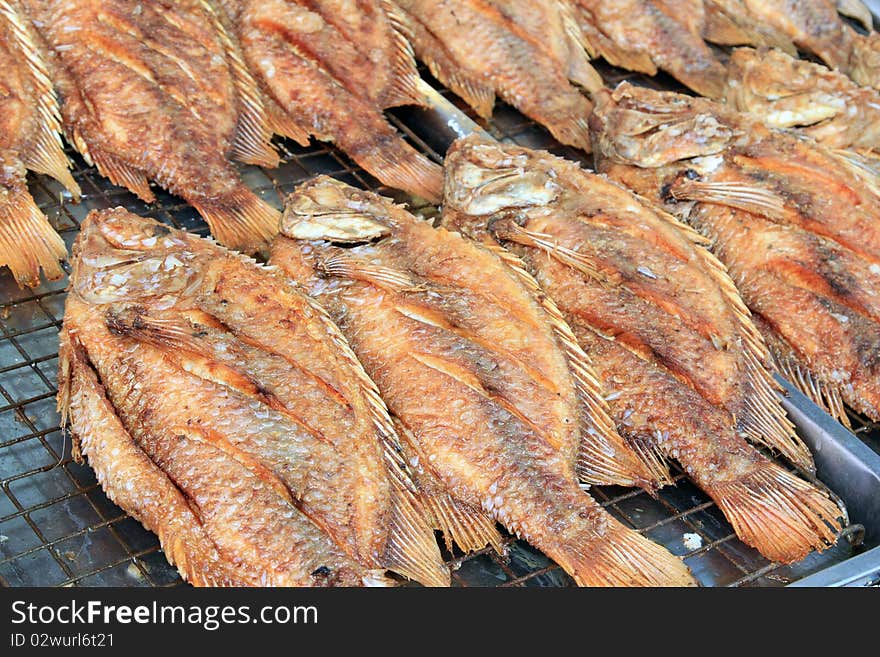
57	528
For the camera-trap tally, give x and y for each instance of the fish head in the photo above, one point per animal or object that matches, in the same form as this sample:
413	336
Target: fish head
330	210
120	256
650	129
487	180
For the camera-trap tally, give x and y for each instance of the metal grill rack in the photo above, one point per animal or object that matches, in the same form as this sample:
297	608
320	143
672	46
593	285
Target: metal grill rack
57	528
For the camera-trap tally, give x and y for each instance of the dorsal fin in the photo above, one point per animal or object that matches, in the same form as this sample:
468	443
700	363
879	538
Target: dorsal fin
251	143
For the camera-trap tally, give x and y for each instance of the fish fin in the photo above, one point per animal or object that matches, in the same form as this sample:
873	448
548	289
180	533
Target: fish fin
121	173
513	232
253	135
281	123
412	550
765	422
778	514
28	241
738	195
604	457
580	70
857	10
404	89
826	397
624	558
599	45
240	220
866	169
471	529
397	164
341	264
46	152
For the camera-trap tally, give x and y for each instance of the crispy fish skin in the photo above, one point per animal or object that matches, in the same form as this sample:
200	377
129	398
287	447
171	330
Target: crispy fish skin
329	68
786	92
618	270
727	173
29	139
647	35
154	91
469	366
478	51
247	402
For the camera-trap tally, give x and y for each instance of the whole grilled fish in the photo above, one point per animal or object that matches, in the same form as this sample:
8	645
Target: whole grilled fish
671	341
647	35
812	255
810	25
29	139
225	411
473	368
158	91
786	92
329	68
527	52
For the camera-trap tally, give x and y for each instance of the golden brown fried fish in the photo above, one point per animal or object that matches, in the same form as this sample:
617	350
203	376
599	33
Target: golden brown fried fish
670	339
29	139
807	277
157	91
225	411
329	68
647	35
524	51
811	25
785	92
472	367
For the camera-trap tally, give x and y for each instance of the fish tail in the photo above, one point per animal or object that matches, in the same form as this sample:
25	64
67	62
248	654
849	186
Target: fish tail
411	550
240	220
623	557
780	515
28	241
399	165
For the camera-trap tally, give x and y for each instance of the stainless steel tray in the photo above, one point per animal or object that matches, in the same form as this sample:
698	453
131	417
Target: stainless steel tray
58	528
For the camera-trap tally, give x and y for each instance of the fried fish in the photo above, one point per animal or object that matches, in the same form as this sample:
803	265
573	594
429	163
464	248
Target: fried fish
647	35
810	25
669	337
157	91
786	92
329	68
527	52
29	139
795	223
475	369
224	410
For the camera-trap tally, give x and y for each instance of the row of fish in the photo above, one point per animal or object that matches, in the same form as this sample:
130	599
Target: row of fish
172	92
383	377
